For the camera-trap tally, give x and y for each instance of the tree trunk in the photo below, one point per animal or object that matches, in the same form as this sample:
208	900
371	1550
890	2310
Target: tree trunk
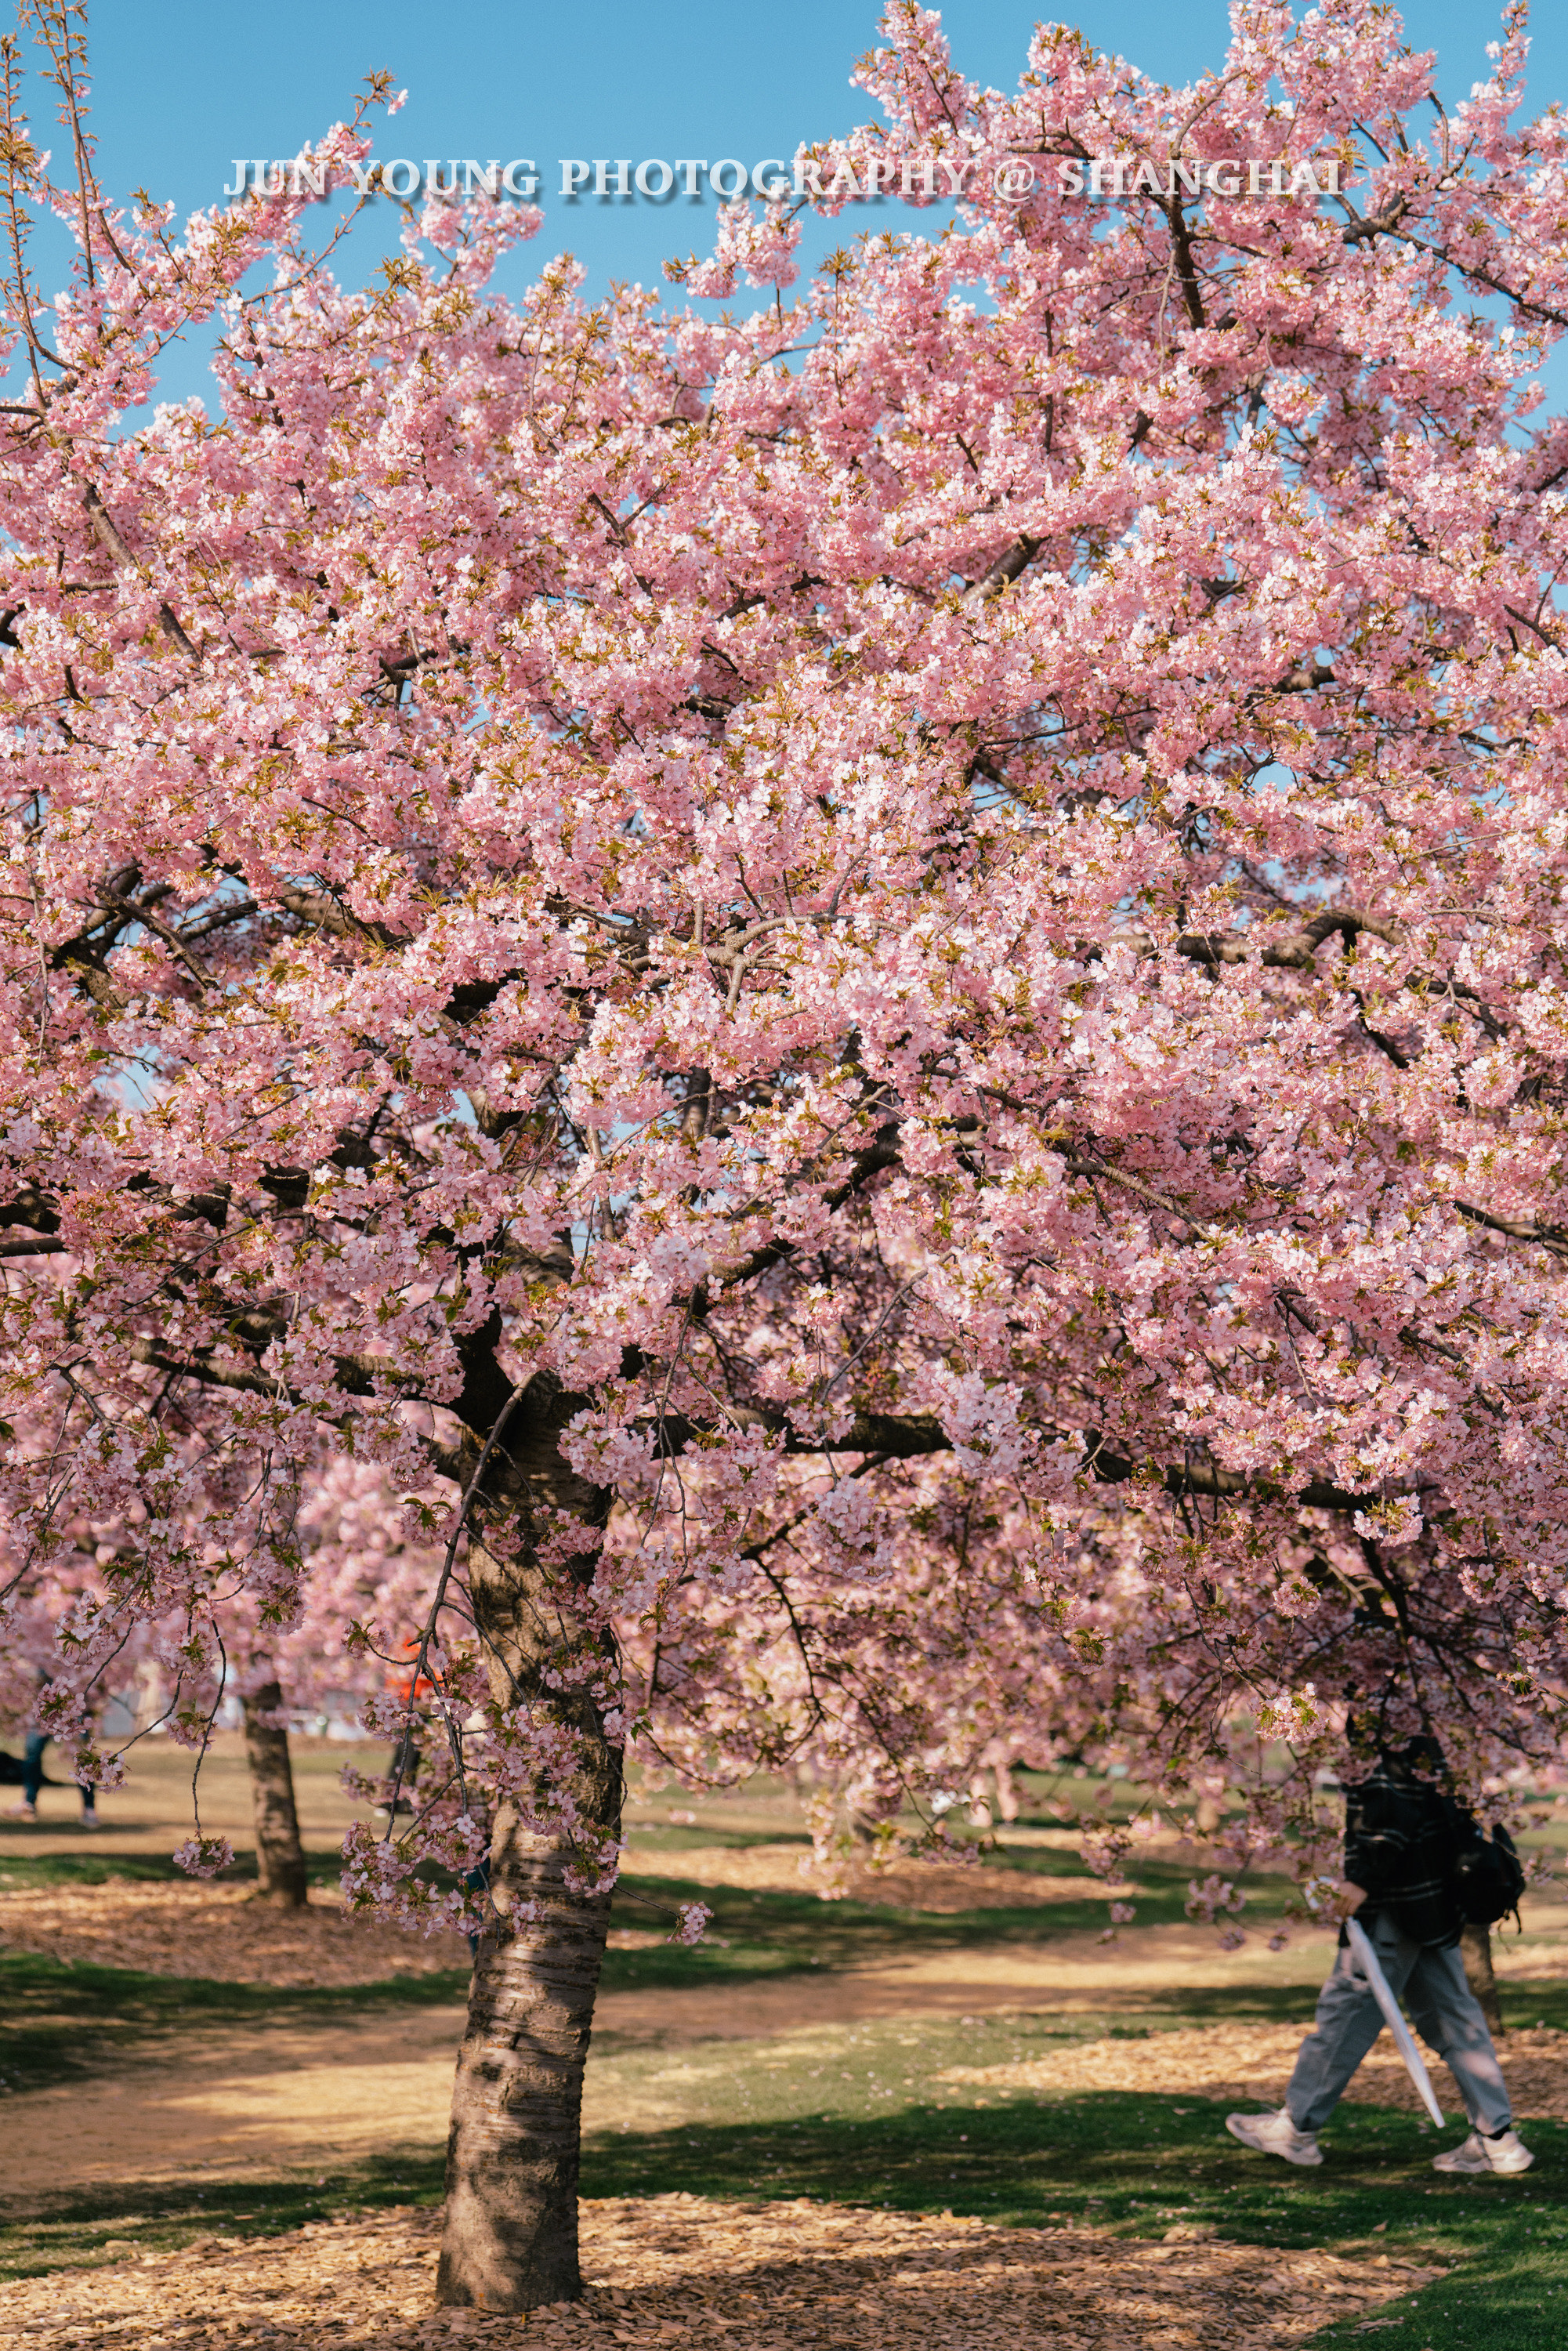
1475	1948
510	2236
279	1855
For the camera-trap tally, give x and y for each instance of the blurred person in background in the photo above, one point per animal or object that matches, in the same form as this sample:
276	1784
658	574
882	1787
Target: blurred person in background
34	1778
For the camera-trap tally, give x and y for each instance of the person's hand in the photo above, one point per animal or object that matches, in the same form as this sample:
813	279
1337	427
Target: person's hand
1351	1897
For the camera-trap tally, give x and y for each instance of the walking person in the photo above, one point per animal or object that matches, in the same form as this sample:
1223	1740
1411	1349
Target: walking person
33	1779
1415	1866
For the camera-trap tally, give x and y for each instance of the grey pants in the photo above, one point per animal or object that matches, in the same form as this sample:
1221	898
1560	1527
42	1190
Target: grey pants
1440	2005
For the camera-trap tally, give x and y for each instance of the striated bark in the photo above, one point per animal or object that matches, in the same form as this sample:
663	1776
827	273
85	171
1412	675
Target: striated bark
279	1855
1475	1949
510	2236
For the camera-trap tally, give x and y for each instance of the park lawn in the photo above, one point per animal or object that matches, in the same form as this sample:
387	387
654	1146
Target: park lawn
860	2115
63	2022
803	1928
60	2020
861	2124
751	1933
109	1862
851	2114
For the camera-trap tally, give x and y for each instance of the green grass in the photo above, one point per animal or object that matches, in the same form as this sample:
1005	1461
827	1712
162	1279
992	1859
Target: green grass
322	1867
1141	2164
791	1923
60	2022
853	2113
859	2115
801	1928
89	2231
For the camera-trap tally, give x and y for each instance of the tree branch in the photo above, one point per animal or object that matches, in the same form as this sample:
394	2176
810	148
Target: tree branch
120	555
1003	571
1552	1236
1205	1480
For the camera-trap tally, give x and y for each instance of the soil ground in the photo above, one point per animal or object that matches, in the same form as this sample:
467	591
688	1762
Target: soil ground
691	2270
761	2116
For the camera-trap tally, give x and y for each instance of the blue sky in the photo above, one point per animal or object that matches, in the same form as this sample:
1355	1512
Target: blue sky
181	86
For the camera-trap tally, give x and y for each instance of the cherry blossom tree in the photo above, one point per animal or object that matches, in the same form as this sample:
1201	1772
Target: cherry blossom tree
888	970
365	1566
365	1575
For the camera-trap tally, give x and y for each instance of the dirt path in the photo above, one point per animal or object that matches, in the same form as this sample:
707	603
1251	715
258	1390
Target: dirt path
1069	1975
199	2108
292	2098
725	2277
217	2105
212	2104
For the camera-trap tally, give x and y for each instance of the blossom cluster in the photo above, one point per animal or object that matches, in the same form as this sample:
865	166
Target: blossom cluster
865	1002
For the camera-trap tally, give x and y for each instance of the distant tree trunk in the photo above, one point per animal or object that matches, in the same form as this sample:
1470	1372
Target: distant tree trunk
510	2237
279	1855
1475	1945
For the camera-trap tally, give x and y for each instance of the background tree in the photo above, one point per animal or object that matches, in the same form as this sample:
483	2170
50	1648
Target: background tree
366	1571
366	1566
890	972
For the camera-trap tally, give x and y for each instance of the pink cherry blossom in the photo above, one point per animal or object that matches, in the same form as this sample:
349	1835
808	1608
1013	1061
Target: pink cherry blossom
871	995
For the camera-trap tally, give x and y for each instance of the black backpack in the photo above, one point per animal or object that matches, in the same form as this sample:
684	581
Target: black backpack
1488	1878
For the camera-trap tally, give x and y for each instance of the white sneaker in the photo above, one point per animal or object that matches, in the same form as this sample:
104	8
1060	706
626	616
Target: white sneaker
23	1811
1275	2135
1508	2152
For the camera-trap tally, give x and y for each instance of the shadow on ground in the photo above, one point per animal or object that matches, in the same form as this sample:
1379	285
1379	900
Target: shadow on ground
1138	2164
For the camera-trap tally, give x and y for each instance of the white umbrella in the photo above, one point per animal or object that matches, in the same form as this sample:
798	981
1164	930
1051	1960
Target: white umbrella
1404	2039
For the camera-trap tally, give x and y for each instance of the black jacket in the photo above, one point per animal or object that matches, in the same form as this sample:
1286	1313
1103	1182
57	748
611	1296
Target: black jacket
1401	1834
